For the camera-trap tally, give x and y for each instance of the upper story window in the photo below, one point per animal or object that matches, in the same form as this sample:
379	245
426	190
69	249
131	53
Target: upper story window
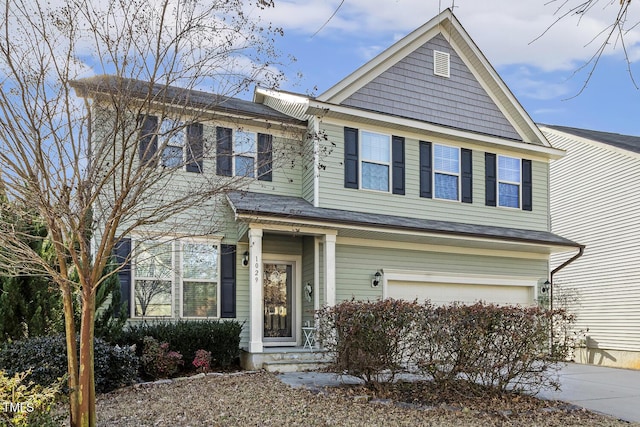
170	143
244	153
172	137
509	181
375	160
155	280
446	167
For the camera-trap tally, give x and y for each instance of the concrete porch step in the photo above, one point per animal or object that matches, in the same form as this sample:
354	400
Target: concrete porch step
285	359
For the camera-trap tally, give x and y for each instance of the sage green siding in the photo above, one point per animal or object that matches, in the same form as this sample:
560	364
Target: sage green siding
334	195
356	265
308	277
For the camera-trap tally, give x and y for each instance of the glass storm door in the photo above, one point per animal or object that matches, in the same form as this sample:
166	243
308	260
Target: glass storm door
278	302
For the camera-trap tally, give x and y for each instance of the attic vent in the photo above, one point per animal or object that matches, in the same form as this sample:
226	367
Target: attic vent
441	63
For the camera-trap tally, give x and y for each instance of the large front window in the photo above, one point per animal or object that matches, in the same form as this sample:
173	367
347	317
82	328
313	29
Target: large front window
186	268
375	160
509	181
446	165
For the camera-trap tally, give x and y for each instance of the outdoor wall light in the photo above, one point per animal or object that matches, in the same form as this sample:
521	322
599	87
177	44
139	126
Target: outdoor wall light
545	286
376	279
245	259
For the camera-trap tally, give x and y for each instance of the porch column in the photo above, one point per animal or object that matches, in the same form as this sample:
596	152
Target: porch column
256	316
330	269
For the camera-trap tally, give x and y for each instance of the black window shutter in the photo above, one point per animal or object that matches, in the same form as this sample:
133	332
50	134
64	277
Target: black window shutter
350	158
148	141
425	170
224	153
467	175
122	250
397	156
195	147
527	185
265	157
228	281
490	179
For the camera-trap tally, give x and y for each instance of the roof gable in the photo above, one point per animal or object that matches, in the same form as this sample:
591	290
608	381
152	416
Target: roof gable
404	72
410	88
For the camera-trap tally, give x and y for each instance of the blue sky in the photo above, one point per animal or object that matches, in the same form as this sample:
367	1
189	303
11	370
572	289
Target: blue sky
541	74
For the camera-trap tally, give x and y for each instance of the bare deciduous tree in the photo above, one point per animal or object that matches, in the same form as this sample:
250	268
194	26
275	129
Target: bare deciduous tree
612	35
75	160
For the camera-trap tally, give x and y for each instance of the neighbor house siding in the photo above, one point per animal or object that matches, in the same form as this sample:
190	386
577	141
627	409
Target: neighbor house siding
410	89
356	265
594	200
334	195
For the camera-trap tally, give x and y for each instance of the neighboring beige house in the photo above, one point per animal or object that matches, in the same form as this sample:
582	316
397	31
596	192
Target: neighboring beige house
595	200
428	179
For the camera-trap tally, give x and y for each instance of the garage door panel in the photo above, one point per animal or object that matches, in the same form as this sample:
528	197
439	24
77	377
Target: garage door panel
445	293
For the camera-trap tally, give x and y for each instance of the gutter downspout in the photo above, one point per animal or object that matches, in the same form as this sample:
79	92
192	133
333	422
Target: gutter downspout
553	272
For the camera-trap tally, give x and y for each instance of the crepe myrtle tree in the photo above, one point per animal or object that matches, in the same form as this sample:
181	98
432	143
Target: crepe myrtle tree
77	80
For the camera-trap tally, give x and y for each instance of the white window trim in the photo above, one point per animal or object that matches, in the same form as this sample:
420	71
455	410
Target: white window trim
134	255
164	141
235	153
216	242
361	160
457	175
498	181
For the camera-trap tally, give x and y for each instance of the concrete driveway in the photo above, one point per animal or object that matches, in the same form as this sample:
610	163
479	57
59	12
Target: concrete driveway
611	391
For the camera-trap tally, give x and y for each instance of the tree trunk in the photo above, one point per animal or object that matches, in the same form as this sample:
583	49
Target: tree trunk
87	390
72	354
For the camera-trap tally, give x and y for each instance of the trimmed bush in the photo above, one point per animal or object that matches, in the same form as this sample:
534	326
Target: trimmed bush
221	338
504	348
158	361
46	357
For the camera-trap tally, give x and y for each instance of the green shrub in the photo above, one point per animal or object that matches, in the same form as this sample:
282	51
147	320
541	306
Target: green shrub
221	338
158	361
494	347
27	404
46	357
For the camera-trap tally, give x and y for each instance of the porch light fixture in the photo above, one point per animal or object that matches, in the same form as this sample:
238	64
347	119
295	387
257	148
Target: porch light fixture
376	279
545	286
245	259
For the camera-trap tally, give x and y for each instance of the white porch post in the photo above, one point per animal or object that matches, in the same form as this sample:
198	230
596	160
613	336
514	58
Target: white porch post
255	291
330	269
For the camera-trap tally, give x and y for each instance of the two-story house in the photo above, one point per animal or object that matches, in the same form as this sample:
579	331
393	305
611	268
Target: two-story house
425	179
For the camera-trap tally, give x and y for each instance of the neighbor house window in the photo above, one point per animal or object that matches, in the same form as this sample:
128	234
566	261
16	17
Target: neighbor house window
446	167
199	279
509	181
244	153
375	160
172	137
155	278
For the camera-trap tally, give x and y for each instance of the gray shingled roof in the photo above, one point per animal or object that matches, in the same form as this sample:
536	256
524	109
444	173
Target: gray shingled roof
298	208
626	142
108	84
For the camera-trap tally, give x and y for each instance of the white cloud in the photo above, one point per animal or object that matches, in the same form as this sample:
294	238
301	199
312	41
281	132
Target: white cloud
503	29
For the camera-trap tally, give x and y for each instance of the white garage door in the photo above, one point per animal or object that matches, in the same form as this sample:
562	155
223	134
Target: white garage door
444	293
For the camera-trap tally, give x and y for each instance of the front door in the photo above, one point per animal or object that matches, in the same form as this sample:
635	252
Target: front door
279	314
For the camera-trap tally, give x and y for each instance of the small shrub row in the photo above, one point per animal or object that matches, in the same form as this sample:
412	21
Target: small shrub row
46	358
500	347
158	361
220	338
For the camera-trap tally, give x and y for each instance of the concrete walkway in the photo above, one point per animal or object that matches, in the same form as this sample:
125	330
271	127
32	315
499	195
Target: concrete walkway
611	391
